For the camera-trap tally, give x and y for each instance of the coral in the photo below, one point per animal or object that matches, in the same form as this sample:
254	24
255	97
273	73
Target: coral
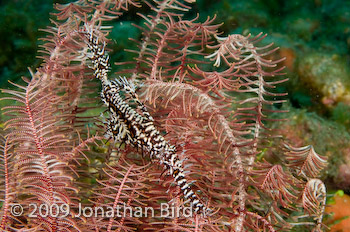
327	75
210	98
340	212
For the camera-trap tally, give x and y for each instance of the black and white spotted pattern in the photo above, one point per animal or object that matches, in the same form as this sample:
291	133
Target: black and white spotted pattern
129	122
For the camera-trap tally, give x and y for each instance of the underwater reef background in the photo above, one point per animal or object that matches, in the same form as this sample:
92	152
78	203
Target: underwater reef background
313	35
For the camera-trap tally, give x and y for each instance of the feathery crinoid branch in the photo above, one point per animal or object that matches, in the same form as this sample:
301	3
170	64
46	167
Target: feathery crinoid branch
255	75
34	136
314	201
305	160
122	189
8	188
293	186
